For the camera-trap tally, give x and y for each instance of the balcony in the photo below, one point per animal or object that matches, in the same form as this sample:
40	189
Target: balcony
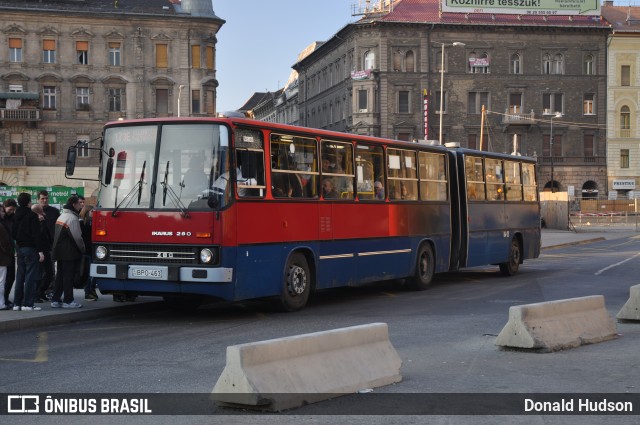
512	117
573	160
19	114
13	161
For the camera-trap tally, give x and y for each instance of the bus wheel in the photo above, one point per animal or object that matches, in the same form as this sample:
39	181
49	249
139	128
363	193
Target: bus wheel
513	263
425	267
297	283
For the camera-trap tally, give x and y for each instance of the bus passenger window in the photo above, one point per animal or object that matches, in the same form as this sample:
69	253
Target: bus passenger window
369	171
294	166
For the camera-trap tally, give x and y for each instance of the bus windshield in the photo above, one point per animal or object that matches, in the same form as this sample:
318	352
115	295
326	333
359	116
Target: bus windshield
172	166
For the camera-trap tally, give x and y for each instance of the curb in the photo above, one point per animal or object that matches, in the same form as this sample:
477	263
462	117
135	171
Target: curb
66	317
586	241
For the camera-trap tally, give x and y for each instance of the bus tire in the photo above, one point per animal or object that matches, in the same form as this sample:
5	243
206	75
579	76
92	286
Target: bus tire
513	263
296	283
425	267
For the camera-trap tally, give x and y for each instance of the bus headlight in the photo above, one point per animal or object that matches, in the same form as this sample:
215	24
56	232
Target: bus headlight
101	252
206	256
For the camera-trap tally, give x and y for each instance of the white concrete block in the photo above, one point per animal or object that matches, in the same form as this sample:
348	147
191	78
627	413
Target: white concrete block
289	372
558	325
631	309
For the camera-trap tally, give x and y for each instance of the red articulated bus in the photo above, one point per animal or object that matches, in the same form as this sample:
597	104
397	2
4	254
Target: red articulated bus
235	209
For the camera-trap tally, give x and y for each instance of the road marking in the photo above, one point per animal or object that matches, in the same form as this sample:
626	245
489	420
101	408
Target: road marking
42	354
599	272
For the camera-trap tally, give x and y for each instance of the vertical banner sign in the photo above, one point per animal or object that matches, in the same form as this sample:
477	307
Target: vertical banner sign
426	114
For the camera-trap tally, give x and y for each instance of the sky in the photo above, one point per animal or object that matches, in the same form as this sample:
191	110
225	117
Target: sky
262	39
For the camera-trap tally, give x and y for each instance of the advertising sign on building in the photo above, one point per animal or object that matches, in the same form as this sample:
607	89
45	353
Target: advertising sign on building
361	75
58	195
627	184
524	7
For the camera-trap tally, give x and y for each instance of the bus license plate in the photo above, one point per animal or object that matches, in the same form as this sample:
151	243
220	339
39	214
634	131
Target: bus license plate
147	272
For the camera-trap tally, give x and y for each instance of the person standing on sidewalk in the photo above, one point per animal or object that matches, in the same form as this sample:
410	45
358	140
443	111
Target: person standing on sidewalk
86	220
51	215
41	283
31	247
9	221
68	249
6	257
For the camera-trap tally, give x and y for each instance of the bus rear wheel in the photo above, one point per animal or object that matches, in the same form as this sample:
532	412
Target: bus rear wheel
297	283
425	267
513	263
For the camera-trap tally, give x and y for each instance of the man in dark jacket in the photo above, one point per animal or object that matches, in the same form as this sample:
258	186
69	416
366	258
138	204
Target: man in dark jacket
51	215
6	257
31	247
68	249
10	206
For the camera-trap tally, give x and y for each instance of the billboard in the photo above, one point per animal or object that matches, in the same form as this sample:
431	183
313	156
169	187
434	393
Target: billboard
524	7
58	195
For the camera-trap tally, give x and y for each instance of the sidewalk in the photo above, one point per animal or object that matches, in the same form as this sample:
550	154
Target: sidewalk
15	320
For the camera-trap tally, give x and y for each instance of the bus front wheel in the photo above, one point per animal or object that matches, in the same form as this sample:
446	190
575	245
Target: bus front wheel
425	267
513	262
297	283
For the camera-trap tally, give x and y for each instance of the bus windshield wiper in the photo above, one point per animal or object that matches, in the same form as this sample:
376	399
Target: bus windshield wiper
175	198
129	197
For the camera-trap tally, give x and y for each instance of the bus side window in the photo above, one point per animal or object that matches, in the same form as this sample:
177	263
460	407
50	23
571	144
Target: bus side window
369	172
250	173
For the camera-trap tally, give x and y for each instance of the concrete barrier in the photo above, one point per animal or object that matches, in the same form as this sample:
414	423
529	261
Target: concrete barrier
557	325
631	309
289	372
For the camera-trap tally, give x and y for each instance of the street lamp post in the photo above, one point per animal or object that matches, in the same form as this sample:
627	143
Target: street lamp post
556	115
454	44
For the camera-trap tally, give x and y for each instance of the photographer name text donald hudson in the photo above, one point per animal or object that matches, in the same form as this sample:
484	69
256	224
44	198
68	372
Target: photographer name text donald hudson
582	404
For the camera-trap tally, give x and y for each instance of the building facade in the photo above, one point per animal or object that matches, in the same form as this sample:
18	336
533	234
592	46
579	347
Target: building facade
623	104
68	67
541	79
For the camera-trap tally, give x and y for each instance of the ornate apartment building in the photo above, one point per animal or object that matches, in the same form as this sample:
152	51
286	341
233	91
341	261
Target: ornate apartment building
69	66
623	103
539	77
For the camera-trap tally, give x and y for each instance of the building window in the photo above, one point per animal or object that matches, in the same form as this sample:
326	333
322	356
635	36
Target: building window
362	101
49	97
16	88
114	54
209	57
48	51
369	60
552	103
195	56
162	102
15	50
17	147
437	102
588	104
115	100
476	101
588	145
403	102
83	146
82	98
49	144
624	158
546	64
589	65
558	64
625	122
625	75
82	52
161	56
516	63
195	101
515	103
409	61
472	141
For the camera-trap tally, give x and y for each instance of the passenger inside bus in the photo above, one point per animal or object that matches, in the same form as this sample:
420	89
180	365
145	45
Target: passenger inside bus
378	191
328	189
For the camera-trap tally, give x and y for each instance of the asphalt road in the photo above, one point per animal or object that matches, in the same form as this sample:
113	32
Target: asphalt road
445	337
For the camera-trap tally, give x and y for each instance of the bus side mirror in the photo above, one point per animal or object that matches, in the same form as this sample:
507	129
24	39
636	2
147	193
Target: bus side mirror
248	165
108	171
70	165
